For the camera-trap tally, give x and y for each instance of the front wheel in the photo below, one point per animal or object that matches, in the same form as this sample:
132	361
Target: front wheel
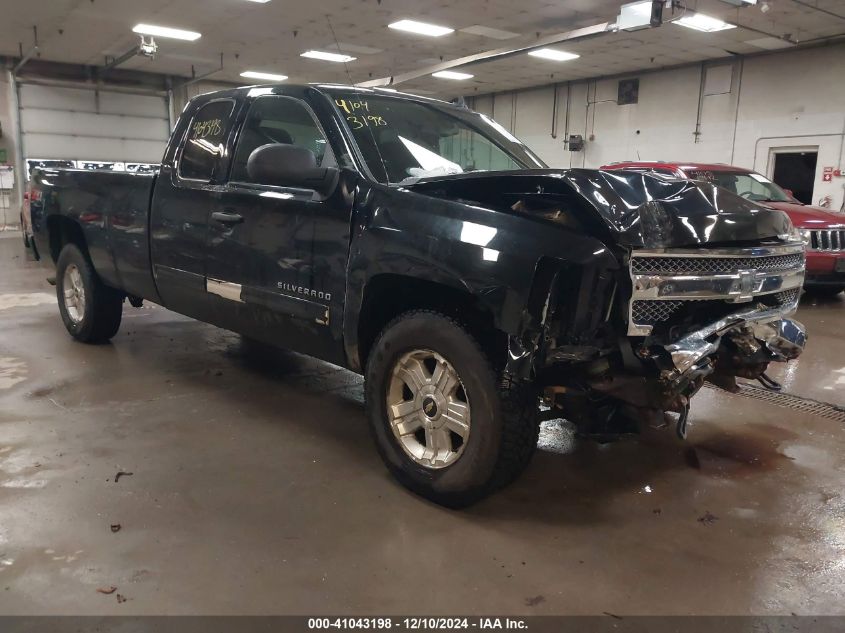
444	423
91	311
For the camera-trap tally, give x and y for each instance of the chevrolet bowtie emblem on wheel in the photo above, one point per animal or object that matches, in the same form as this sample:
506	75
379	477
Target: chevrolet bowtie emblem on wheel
746	284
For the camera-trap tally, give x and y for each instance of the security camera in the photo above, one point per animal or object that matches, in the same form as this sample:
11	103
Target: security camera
148	48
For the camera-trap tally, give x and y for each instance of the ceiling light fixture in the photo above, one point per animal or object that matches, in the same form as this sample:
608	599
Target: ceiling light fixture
261	1
553	54
741	3
254	74
421	28
166	31
450	74
328	57
641	14
705	23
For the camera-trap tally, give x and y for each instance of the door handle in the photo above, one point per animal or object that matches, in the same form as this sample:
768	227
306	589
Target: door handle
227	217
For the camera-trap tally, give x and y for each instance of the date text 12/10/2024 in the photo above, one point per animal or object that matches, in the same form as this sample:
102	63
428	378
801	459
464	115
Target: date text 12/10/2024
417	623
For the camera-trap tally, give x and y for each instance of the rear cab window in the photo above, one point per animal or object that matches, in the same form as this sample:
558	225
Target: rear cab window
205	141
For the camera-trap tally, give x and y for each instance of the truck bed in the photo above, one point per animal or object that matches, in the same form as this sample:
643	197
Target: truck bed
113	210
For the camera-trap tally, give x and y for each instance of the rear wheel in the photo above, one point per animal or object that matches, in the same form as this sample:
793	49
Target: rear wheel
445	425
91	311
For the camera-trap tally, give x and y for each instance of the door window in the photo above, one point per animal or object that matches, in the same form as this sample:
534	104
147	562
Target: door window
276	119
206	140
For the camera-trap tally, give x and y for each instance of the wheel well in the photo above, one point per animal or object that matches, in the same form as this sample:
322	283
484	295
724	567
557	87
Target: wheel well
63	231
387	296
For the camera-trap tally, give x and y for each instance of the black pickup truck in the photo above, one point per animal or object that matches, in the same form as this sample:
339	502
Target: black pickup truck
422	245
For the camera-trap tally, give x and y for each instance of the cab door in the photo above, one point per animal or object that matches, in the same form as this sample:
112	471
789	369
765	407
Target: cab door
186	192
276	256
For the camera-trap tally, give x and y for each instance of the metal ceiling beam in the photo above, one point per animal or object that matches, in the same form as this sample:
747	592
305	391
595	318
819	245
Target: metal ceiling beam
25	57
195	78
117	61
492	55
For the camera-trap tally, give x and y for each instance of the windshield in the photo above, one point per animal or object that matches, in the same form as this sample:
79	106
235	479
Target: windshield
749	185
402	140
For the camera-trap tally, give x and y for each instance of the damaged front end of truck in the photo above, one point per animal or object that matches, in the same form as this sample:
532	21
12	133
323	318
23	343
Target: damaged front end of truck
705	288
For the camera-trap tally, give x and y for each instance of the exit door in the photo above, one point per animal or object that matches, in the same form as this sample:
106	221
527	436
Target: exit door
796	171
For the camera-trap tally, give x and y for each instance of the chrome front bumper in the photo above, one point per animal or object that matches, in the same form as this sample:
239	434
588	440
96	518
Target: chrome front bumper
784	338
664	279
737	275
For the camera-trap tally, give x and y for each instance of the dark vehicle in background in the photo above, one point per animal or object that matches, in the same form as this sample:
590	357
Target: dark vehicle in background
424	246
822	230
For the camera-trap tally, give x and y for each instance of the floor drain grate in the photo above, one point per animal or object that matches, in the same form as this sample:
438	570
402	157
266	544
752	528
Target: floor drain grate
789	401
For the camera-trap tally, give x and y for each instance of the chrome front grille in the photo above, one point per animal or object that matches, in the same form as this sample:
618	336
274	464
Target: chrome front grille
644	312
788	297
827	240
665	282
651	312
713	265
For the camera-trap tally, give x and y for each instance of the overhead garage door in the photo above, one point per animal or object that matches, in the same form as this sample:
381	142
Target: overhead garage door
73	124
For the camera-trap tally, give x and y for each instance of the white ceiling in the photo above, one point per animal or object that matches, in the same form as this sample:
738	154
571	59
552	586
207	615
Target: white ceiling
271	36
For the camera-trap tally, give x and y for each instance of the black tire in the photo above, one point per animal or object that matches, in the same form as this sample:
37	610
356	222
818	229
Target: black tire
504	413
103	309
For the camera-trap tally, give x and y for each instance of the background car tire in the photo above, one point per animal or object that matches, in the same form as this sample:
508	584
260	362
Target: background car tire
504	423
824	291
99	319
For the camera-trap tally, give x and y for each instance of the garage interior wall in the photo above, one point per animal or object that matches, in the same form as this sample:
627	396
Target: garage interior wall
750	107
9	198
96	125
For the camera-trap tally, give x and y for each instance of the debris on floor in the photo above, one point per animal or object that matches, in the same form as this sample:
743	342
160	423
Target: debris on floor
115	527
121	598
121	474
107	590
708	518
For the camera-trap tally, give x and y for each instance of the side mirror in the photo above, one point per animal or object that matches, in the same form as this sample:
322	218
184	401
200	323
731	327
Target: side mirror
286	165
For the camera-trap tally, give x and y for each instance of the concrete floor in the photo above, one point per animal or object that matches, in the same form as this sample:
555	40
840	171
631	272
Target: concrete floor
255	489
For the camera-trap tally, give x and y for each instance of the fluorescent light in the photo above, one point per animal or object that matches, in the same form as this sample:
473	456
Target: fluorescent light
261	1
634	16
701	22
412	26
165	31
449	74
553	54
328	57
254	74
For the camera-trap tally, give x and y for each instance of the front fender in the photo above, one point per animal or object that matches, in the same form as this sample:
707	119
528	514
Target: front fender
488	254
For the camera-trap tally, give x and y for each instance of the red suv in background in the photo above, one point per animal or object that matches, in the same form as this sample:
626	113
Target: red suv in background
823	230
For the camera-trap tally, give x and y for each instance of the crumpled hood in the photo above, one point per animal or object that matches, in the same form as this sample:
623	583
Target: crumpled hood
640	210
